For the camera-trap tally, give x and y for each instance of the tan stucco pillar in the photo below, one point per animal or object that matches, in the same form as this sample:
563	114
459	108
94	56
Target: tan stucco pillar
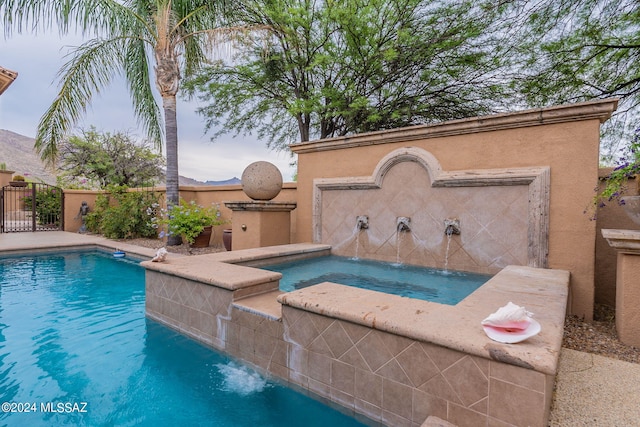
257	223
627	244
5	177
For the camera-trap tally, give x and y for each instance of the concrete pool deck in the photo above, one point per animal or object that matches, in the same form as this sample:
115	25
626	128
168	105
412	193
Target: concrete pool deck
590	389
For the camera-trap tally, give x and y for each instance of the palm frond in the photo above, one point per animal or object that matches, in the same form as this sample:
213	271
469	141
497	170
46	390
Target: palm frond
136	70
91	68
31	15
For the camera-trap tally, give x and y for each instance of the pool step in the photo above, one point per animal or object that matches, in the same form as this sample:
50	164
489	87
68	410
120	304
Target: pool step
265	305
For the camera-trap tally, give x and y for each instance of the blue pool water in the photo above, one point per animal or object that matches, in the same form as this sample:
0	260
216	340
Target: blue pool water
442	286
76	349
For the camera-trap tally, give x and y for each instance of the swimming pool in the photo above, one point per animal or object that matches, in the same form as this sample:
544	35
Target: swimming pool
76	349
442	286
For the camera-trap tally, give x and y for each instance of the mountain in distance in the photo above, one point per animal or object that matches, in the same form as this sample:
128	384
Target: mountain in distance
190	181
231	181
18	154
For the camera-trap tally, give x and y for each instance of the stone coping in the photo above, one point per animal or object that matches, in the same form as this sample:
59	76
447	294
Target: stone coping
264	305
590	110
201	268
247	256
541	291
261	206
223	269
623	240
49	241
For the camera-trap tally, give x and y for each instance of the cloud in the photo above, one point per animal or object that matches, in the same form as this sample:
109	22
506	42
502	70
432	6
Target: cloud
227	159
37	59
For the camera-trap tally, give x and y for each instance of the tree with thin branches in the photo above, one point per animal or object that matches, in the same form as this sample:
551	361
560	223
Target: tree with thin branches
146	41
337	68
578	50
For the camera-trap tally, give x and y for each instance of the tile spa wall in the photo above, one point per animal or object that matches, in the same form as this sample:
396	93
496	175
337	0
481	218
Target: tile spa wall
393	359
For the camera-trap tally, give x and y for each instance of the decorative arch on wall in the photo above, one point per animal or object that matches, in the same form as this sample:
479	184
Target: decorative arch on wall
536	178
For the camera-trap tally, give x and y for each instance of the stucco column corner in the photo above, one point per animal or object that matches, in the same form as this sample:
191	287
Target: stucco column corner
627	245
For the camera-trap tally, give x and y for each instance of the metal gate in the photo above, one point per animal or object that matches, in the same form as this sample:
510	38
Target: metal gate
31	206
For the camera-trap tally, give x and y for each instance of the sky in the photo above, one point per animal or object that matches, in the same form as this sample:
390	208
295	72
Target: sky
37	60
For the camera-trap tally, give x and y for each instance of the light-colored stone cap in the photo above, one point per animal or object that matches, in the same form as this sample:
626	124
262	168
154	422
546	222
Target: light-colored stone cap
220	269
593	110
202	269
541	291
261	206
623	240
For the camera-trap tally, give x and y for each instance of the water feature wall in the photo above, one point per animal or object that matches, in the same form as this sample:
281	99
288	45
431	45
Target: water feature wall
475	220
517	182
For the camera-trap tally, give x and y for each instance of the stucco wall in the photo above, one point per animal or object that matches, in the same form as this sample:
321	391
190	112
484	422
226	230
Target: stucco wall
5	177
72	201
612	216
204	195
563	138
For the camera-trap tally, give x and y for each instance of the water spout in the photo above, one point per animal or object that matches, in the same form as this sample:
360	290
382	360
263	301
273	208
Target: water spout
451	226
403	223
362	222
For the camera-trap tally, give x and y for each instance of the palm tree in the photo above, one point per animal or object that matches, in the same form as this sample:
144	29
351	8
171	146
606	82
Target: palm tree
135	38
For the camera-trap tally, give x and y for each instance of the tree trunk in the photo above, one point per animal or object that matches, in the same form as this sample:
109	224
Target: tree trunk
303	128
171	132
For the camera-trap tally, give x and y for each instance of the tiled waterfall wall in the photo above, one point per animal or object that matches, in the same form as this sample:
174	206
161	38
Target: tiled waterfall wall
389	378
502	214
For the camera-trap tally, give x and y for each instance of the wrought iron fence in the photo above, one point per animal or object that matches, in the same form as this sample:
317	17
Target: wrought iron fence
31	206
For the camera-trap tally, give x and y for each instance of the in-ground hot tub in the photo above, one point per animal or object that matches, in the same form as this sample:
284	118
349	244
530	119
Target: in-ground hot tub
394	359
429	284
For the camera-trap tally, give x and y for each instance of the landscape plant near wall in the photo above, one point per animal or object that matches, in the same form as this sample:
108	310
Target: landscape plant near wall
616	183
121	214
48	206
186	219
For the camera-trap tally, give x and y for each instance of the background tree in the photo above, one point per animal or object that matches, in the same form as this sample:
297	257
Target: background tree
135	38
578	50
106	159
334	68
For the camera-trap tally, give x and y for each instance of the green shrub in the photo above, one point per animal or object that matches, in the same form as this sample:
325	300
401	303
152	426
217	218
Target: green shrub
48	205
120	214
186	219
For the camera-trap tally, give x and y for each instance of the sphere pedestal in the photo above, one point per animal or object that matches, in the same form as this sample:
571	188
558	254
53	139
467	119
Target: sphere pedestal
259	223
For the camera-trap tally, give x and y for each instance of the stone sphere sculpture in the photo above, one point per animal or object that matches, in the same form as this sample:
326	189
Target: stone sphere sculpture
261	181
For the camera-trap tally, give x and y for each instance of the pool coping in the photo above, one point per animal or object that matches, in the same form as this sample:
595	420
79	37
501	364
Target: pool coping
33	242
544	292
